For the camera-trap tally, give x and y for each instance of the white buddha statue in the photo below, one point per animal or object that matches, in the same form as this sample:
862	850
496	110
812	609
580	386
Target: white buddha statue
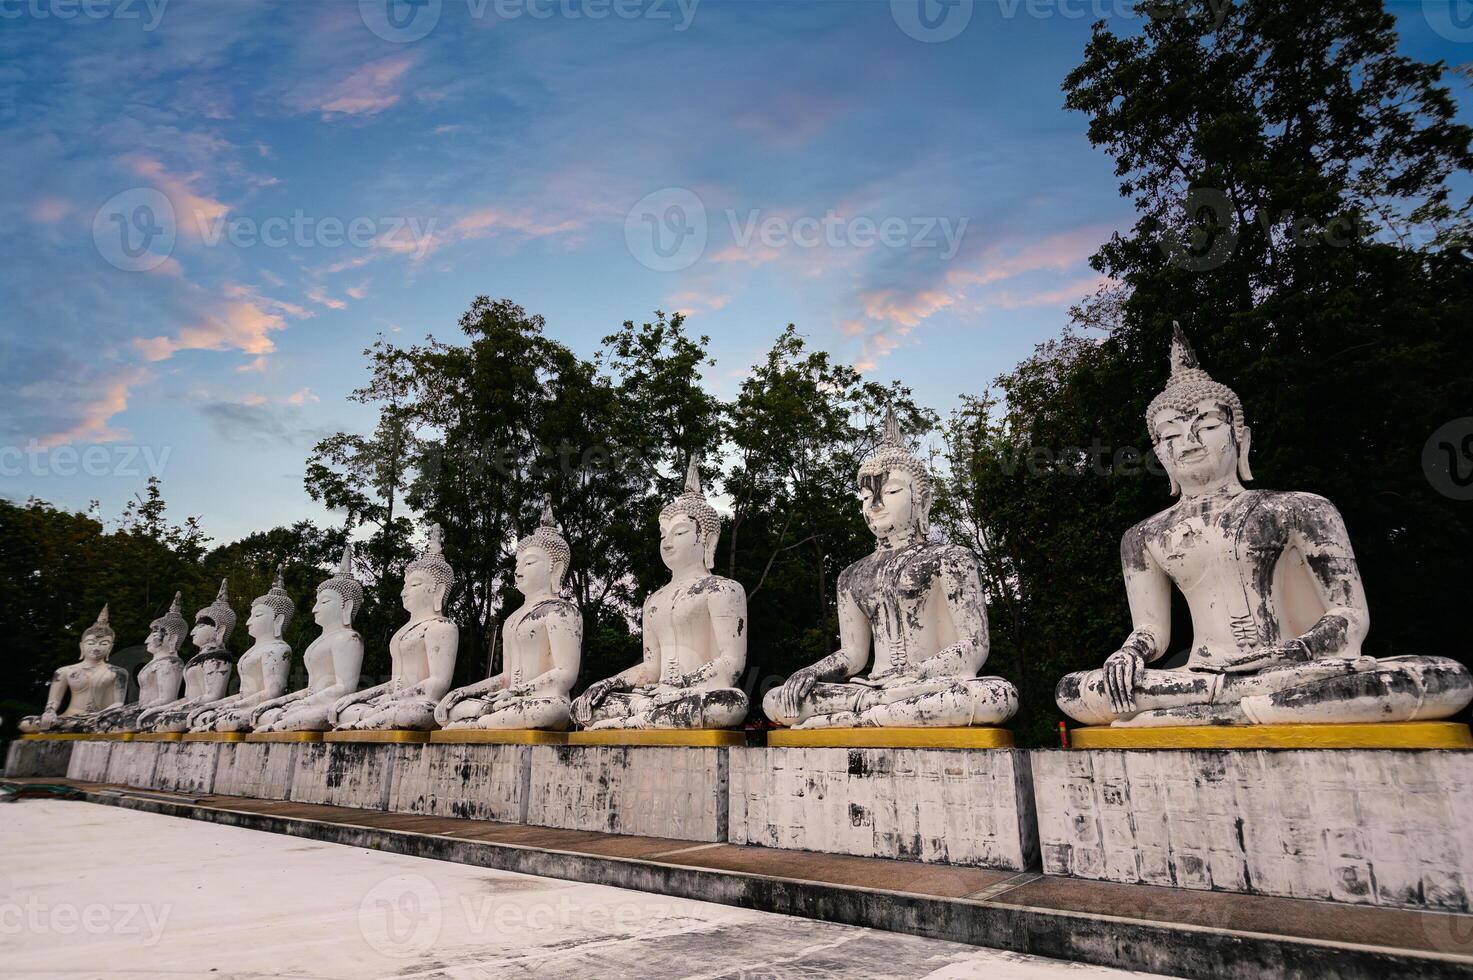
333	660
87	687
422	654
918	604
1278	610
542	644
264	669
160	678
206	674
695	635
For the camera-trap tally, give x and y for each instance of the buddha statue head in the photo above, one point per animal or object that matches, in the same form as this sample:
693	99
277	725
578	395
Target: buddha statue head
97	640
214	623
271	612
543	557
1197	425
895	488
340	597
166	633
427	579
689	526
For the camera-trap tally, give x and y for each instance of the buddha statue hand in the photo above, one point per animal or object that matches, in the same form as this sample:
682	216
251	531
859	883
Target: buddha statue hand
1275	655
1123	670
590	699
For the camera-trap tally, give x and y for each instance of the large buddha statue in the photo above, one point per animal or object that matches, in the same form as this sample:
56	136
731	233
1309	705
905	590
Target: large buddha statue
206	674
422	654
159	680
89	686
695	635
333	660
264	669
542	644
918	603
1278	611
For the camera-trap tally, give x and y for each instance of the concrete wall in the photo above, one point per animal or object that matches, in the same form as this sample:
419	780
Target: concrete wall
352	774
651	791
89	761
1371	827
38	757
261	770
969	807
476	782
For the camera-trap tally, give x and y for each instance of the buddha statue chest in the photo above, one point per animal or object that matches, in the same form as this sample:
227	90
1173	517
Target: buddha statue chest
679	618
407	651
525	648
897	592
91	689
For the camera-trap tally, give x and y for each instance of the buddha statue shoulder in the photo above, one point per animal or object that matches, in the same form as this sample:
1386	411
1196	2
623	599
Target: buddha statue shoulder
333	660
422	655
206	674
695	635
542	644
916	606
87	687
159	680
1277	606
264	669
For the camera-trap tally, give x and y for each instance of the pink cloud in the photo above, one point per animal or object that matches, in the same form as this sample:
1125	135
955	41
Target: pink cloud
49	210
905	310
694	301
302	397
485	221
194	212
368	91
749	255
319	295
108	397
244	323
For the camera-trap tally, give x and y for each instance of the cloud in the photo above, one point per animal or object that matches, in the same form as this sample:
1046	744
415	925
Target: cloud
319	295
357	292
49	210
486	221
103	399
260	424
244	323
302	397
693	301
195	213
368	91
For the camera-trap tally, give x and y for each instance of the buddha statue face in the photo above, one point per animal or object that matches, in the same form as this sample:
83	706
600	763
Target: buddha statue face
96	646
422	593
264	623
205	634
889	503
159	642
535	572
681	547
1197	445
331	609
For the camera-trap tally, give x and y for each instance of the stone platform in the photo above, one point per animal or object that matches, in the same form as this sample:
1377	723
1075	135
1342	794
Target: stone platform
950	806
1366	827
38	756
651	790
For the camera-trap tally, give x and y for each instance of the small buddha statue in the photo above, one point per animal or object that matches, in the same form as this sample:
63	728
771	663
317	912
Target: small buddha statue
422	654
206	674
89	686
333	660
918	603
160	678
1278	610
541	643
695	635
264	669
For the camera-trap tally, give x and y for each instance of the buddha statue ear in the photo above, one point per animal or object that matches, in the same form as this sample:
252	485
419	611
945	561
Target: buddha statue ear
279	625
559	573
345	611
710	553
1166	465
1245	472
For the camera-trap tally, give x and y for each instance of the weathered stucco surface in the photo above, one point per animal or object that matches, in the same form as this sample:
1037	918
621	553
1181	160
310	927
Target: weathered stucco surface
262	770
89	761
476	782
1373	827
186	767
678	793
969	807
133	763
38	758
343	774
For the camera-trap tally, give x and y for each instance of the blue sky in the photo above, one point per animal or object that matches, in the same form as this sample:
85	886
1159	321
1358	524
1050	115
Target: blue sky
212	207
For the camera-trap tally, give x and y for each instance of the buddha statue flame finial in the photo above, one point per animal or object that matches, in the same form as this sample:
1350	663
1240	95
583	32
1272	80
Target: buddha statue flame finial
549	539
692	503
1188	384
344	584
277	600
220	613
432	561
101	627
892	454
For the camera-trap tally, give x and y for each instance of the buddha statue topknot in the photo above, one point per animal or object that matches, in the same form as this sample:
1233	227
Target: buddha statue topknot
918	604
206	674
422	654
88	687
160	678
542	645
695	635
334	659
264	669
1278	610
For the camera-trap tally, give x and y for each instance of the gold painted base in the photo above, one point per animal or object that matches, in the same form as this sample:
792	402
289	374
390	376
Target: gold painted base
891	738
58	736
498	736
214	737
1386	735
690	737
284	737
157	736
388	736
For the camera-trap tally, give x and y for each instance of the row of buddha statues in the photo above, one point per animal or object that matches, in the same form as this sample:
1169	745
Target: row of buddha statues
1277	607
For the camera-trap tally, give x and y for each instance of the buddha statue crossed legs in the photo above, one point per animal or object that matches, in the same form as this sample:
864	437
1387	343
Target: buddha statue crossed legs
264	669
1278	610
206	674
918	604
541	647
695	635
159	680
89	686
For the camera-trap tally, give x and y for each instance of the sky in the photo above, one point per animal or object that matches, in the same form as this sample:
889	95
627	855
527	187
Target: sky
213	206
